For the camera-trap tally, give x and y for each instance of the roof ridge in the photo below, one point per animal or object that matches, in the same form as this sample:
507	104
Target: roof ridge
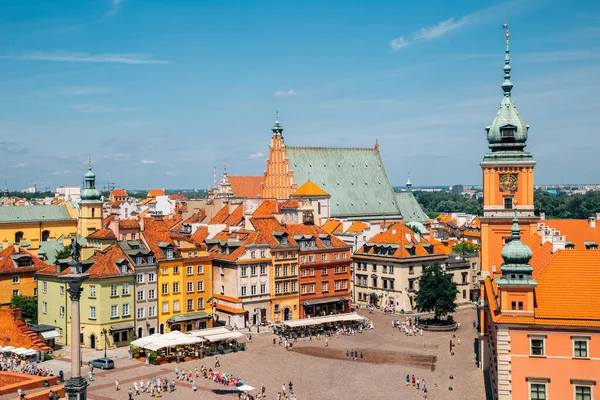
330	147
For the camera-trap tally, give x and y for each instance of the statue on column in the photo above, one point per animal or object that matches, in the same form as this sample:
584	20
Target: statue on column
75	250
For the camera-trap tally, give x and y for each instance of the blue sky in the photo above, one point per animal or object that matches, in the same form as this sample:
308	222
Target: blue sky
160	92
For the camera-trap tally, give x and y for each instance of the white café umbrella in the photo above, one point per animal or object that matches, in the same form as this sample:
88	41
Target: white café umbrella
245	388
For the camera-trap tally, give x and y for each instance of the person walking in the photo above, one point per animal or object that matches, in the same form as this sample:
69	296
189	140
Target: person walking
20	393
50	395
194	385
361	356
347	356
117	385
407	380
217	363
326	342
90	376
413	380
130	394
418	383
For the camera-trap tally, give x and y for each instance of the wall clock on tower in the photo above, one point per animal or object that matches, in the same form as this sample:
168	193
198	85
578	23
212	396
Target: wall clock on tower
508	182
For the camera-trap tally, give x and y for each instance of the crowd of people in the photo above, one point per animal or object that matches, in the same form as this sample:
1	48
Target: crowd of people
409	326
154	386
418	383
14	363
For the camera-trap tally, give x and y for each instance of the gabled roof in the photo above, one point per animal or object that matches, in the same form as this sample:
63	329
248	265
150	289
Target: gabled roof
24	214
332	226
290	204
197	217
246	186
400	238
129	224
221	216
356	228
200	235
102	234
309	189
118	193
268	207
9	256
106	220
576	231
155	192
236	216
174	221
157	234
355	178
410	208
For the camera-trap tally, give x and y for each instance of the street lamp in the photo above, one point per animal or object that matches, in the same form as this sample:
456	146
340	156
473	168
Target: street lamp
104	332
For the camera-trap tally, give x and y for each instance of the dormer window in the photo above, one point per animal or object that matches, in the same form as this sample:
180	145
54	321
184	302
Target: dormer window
25	262
591	246
124	268
169	253
508	132
139	260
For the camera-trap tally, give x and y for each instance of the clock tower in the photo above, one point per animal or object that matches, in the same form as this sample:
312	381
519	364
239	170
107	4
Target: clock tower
507	179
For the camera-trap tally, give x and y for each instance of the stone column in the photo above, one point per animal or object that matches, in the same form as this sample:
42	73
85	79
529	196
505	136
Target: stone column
76	387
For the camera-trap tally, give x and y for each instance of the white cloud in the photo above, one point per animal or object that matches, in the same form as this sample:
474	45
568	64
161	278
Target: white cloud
148	162
256	155
171	173
398	43
20	165
440	29
117	58
285	93
97	108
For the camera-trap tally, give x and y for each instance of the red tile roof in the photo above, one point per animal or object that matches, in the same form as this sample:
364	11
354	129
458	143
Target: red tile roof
356	228
129	224
230	310
118	193
401	236
155	192
177	196
106	221
268	207
9	265
197	217
226	298
200	235
174	221
236	217
576	231
289	204
221	216
332	225
542	253
102	234
309	189
246	186
156	231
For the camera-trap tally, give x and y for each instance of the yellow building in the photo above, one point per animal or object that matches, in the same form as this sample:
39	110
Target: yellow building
17	269
90	206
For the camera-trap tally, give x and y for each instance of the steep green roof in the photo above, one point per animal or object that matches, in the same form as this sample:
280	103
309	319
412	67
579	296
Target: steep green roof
14	214
50	248
410	208
354	177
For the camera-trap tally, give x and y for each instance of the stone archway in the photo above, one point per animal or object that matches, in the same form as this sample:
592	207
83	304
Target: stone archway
287	314
92	341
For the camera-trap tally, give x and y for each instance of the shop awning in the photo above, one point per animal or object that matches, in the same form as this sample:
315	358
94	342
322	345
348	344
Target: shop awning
121	327
209	331
50	334
224	336
325	301
301	322
340	317
171	339
188	317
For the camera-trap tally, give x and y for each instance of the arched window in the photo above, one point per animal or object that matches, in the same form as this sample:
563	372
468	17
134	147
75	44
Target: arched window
18	237
45	236
93	212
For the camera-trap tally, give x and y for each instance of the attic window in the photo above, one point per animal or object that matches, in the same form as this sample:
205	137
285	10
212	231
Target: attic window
124	268
169	253
569	246
25	262
508	132
591	246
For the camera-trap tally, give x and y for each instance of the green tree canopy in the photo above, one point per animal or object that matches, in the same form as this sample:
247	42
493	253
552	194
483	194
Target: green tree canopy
437	292
65	252
28	306
465	247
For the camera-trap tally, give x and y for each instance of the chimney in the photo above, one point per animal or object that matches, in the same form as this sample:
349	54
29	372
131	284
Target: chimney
592	222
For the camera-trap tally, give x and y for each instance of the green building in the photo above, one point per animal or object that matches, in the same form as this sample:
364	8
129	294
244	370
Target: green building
107	300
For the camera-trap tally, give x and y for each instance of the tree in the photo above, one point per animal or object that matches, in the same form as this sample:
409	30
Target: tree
28	306
437	292
65	252
465	247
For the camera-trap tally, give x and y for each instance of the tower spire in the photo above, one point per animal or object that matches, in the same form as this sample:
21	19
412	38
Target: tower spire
277	128
408	183
507	84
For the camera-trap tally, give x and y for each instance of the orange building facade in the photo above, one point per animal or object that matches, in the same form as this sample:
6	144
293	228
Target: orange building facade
278	179
539	311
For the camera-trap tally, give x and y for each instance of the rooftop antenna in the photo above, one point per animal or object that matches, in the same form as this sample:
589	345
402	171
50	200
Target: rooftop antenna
214	177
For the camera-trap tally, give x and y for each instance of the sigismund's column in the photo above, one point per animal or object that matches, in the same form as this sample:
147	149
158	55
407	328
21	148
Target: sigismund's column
76	387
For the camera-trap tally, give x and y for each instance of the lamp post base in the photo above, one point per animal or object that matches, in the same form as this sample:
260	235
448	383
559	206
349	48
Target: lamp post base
76	389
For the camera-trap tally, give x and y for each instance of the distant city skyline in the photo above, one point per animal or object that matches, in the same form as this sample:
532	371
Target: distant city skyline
158	94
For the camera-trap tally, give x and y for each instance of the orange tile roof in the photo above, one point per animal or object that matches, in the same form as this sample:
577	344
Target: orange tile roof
174	221
226	298
148	201
309	189
268	207
312	230
155	192
118	193
221	216
116	203
129	224
542	253
8	265
230	310
576	231
356	228
177	196
200	235
399	235
155	231
197	217
106	221
246	186
289	204
332	225
236	217
102	234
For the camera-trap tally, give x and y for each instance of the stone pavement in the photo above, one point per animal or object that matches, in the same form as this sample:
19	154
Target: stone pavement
320	373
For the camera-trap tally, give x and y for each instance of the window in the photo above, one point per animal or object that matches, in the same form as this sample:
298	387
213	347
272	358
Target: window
139	278
176	306
344	267
190	286
337	285
263	269
140	295
61	311
411	270
312	272
253	254
464	294
151	277
244	271
520	306
18	237
311	258
311	288
44	307
293	254
45	289
165	288
125	289
140	313
62	290
92	312
537	347
263	288
583	393
175	287
200	286
345	285
15	279
244	290
139	260
165	271
323	257
286	270
190	270
201	303
253	270
303	272
253	290
92	290
508	203
165	307
580	347
277	288
222	271
151	294
277	272
411	284
507	132
324	286
384	269
537	391
114	311
293	269
175	269
343	256
169	253
336	256
324	271
304	289
35	292
113	290
336	269
286	287
263	254
222	289
190	304
200	269
374	267
126	309
303	259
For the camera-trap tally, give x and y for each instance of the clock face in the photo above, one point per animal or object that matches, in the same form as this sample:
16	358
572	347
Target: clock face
508	182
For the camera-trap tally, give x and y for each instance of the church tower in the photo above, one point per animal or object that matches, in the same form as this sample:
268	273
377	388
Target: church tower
507	178
90	206
278	179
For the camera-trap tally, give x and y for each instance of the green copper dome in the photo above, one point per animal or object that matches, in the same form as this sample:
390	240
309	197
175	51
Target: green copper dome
515	251
277	127
90	193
